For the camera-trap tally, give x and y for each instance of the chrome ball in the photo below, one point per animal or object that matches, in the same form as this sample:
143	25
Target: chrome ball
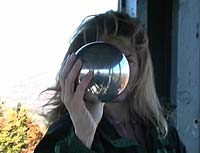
109	66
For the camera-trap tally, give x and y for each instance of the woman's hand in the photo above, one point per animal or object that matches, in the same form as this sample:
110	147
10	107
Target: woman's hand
84	108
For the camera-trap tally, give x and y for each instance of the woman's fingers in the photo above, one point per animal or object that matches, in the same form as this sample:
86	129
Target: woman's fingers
72	76
68	90
67	66
75	103
65	71
82	87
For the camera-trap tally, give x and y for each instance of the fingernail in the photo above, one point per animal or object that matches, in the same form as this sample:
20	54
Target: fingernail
90	73
73	54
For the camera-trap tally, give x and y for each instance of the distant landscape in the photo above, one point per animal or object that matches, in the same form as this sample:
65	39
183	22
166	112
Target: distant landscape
26	90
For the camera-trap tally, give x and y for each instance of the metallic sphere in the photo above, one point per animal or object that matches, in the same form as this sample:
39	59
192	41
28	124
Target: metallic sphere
109	66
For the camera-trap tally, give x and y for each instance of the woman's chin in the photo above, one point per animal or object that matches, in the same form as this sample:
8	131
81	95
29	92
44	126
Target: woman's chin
121	98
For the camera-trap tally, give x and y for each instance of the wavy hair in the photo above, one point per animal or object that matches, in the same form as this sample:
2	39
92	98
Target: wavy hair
115	25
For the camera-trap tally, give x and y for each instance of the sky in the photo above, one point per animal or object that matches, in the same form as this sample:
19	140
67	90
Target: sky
34	37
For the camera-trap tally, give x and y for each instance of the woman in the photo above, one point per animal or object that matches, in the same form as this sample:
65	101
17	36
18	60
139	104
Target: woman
134	122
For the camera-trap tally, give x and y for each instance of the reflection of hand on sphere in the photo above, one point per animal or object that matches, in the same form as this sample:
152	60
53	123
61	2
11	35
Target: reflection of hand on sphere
110	69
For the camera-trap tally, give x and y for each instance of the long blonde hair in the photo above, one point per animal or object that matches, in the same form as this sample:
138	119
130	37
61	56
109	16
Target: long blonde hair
143	98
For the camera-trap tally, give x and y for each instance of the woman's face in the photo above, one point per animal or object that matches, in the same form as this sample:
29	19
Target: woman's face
133	63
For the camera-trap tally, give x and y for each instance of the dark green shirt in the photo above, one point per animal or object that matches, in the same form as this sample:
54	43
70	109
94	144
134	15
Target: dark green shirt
60	138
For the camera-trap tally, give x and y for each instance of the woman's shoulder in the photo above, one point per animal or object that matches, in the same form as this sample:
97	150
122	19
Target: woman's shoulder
170	143
56	132
174	138
64	122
